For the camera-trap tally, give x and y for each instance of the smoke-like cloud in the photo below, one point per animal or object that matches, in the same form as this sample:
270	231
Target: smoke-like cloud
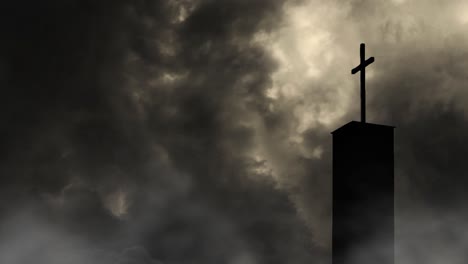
129	132
183	131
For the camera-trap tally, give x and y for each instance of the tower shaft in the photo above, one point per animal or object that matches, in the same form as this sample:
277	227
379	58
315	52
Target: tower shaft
363	194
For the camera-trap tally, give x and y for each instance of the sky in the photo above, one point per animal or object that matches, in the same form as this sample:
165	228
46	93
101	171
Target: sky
198	131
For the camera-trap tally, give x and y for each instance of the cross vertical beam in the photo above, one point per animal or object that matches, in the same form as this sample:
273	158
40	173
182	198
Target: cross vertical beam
362	52
362	68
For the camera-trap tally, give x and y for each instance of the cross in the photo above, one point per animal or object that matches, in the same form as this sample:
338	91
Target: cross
362	68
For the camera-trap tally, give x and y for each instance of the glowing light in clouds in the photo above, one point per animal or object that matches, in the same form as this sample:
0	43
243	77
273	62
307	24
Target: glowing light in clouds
117	203
314	64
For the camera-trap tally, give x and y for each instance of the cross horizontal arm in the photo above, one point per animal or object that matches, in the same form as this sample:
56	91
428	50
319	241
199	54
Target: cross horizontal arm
362	66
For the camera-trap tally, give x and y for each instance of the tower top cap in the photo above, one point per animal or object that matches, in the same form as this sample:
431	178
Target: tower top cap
360	125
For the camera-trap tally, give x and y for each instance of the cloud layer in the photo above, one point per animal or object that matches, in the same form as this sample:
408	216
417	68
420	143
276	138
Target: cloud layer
198	131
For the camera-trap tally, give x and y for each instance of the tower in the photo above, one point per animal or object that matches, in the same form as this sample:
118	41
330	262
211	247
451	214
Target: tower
363	188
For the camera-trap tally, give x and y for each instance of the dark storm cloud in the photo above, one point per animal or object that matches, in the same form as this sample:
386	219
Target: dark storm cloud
126	131
198	131
432	130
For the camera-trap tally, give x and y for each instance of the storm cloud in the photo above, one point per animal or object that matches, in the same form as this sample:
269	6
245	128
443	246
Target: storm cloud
198	131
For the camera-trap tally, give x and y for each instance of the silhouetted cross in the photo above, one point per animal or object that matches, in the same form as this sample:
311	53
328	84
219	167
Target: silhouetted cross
362	68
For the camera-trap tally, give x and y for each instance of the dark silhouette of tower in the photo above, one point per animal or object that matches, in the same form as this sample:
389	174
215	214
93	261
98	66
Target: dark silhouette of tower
363	188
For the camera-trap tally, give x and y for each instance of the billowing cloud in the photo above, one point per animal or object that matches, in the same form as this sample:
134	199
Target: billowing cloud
178	131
